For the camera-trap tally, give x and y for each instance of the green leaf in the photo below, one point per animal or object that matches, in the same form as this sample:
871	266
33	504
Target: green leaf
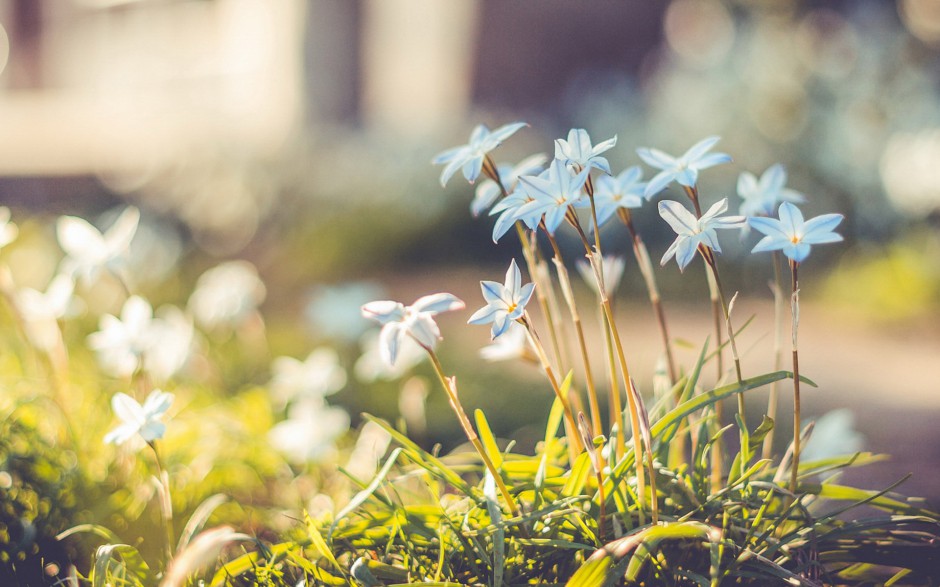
118	564
578	477
486	437
198	520
319	544
363	495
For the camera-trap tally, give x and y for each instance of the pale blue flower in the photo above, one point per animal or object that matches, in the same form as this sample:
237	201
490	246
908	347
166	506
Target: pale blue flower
139	419
416	321
88	250
612	266
623	191
488	191
505	303
579	153
683	169
792	235
469	157
512	345
762	196
508	210
694	232
552	195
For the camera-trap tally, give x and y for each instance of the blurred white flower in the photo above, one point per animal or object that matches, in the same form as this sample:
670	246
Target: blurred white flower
333	311
372	367
226	295
89	251
613	266
170	345
513	344
121	342
370	446
317	376
139	419
834	435
8	230
41	311
310	431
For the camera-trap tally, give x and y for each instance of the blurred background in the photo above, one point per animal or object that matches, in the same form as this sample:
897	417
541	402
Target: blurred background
298	134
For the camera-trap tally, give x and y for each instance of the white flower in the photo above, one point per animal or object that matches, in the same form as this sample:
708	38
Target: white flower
136	419
121	342
469	158
834	435
41	311
310	431
416	321
613	266
318	376
512	345
371	366
682	169
226	295
505	302
8	230
488	192
170	343
694	232
762	196
370	446
578	152
792	235
88	250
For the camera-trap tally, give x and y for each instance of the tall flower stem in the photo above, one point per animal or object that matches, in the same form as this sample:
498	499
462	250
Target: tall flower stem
625	374
568	294
649	278
794	326
772	400
574	444
616	405
450	387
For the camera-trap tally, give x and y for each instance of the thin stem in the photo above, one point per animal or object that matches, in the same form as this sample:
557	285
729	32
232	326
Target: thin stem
772	400
574	444
450	387
795	313
616	405
625	374
567	292
649	278
166	504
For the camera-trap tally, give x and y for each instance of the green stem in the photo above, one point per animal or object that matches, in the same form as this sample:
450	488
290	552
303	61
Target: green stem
450	387
795	313
568	294
166	504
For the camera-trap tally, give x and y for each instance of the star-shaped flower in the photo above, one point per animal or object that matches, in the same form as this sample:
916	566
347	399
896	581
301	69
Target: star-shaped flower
552	195
469	157
508	211
792	235
488	192
683	169
623	191
88	250
416	321
505	303
120	343
762	196
139	419
579	153
694	232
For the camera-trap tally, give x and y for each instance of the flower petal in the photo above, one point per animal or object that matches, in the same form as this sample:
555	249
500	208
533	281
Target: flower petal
436	303
681	220
384	311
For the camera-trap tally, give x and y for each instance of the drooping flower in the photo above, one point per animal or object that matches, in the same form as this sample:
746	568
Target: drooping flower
693	232
372	366
226	295
762	196
8	230
683	169
416	321
488	191
88	250
578	152
469	157
136	419
792	235
505	303
319	375
623	191
552	196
